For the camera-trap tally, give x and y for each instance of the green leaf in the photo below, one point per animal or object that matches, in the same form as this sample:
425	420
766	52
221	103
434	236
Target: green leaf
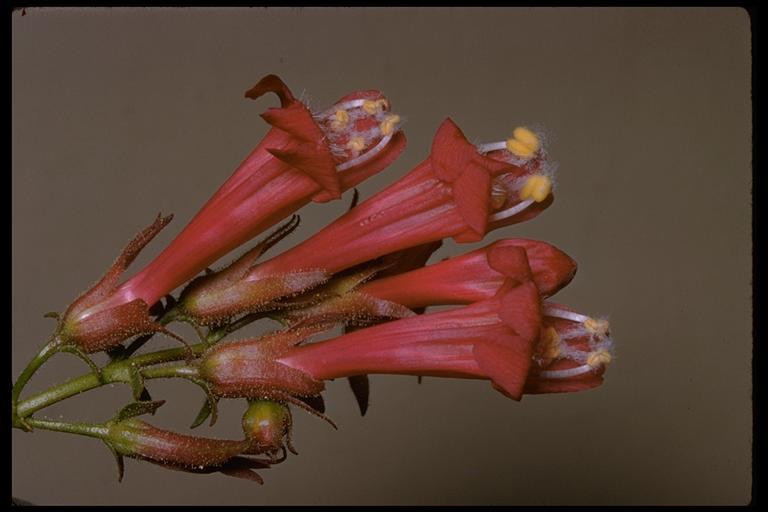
137	383
118	460
211	400
203	414
138	409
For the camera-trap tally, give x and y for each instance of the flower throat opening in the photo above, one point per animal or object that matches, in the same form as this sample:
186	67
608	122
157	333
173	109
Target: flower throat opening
357	130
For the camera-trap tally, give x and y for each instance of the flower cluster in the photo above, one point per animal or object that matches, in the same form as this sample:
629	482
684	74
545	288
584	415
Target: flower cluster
368	271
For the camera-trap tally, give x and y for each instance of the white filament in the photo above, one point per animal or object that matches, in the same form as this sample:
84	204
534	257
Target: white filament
345	105
491	146
566	315
565	374
509	212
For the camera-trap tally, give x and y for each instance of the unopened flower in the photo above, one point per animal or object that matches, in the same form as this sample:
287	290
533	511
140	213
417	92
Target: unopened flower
457	192
267	425
463	279
138	439
477	275
304	157
492	339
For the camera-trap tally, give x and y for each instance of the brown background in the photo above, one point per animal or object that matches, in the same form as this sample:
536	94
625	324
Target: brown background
119	114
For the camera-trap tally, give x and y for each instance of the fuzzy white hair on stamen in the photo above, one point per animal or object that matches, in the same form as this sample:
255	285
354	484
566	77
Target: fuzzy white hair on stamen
577	331
549	169
574	354
344	105
605	344
357	114
370	135
306	100
337	150
543	133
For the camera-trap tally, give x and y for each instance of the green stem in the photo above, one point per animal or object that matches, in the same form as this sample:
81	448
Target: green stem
55	394
45	353
169	372
118	371
166	356
83	429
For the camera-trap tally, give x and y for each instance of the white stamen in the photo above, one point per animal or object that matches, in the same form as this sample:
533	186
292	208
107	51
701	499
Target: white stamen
574	354
565	374
573	333
345	105
367	155
355	115
491	146
565	315
504	214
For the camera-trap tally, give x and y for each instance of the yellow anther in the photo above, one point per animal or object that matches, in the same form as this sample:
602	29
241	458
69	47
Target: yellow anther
551	342
527	137
340	120
370	106
595	359
596	326
373	106
524	143
517	148
341	116
356	144
537	187
389	125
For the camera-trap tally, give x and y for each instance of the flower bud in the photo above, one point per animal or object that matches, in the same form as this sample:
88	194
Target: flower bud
267	425
140	440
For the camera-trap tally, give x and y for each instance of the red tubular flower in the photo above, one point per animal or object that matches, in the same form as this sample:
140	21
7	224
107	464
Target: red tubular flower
304	157
249	369
464	279
447	195
456	192
477	275
571	354
492	339
140	440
